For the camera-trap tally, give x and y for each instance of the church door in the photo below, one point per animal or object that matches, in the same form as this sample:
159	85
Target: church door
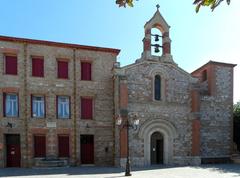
156	148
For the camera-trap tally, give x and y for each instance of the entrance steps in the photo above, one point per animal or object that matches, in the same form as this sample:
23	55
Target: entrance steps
235	158
51	162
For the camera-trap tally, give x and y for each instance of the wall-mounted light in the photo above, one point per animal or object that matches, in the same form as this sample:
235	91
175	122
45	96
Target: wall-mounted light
9	125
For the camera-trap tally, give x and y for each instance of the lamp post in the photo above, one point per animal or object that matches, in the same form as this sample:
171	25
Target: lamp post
129	125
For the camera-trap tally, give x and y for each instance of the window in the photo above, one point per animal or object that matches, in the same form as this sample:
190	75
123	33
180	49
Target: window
37	67
38	106
10	105
86	108
86	71
204	75
63	146
11	65
157	88
39	146
63	107
62	69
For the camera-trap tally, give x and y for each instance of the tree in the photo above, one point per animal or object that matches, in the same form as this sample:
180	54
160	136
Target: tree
236	123
210	3
236	111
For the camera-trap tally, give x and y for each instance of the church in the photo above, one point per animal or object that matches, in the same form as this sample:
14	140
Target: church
68	104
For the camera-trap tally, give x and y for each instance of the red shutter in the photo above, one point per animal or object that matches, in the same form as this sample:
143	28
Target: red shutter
57	107
86	108
86	71
37	67
70	107
63	146
31	106
18	104
11	65
44	101
39	146
4	104
63	69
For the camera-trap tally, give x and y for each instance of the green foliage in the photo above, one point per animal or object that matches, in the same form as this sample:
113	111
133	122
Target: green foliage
210	3
236	111
124	3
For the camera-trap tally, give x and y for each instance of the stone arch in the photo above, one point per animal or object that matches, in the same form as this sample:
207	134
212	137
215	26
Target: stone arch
169	132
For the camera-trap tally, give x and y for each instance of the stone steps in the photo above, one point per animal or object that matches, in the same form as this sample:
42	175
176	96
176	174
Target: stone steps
51	163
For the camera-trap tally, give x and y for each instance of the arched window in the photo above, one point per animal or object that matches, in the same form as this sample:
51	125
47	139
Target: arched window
157	89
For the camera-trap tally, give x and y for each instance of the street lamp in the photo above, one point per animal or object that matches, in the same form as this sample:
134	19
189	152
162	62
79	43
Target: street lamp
129	125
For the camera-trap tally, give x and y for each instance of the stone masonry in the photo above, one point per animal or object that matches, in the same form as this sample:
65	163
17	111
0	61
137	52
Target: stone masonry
100	88
194	115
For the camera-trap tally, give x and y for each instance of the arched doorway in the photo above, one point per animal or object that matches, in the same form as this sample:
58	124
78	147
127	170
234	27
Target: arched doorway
168	132
156	148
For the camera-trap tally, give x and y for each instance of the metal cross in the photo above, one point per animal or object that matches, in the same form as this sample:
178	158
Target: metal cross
158	6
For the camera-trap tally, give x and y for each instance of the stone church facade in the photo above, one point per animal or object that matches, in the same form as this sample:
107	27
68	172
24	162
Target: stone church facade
65	113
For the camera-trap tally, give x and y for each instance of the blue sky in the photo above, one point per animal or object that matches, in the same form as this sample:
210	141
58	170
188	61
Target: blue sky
196	38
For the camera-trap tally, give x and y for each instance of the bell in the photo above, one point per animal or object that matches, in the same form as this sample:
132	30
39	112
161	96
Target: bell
156	49
156	37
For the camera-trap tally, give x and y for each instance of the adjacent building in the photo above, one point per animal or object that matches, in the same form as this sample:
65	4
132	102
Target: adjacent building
60	102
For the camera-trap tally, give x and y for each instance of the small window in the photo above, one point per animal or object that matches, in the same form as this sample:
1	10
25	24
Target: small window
39	146
86	71
37	67
86	108
63	146
11	65
204	75
38	106
63	69
10	104
63	107
157	88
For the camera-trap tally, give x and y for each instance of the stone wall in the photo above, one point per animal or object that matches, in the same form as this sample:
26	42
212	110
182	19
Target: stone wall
216	115
174	107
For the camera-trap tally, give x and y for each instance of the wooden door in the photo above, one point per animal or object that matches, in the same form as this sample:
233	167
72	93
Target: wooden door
39	146
159	151
87	149
63	146
13	150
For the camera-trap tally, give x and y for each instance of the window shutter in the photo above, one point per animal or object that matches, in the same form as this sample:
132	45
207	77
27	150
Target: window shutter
44	102
37	67
86	71
4	104
63	146
86	108
11	65
18	105
63	69
69	107
31	106
57	107
40	146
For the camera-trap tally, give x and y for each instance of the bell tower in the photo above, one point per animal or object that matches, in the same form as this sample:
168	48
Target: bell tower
159	23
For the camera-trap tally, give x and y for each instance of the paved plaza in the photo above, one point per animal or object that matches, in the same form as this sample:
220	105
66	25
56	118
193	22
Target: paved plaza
205	171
